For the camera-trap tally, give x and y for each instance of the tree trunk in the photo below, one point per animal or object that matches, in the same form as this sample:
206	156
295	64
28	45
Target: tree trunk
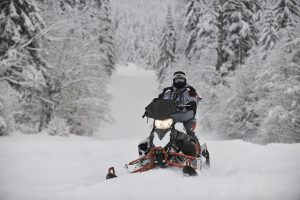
221	35
46	114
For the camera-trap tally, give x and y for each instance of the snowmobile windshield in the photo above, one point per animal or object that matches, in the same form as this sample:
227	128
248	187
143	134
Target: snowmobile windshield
161	109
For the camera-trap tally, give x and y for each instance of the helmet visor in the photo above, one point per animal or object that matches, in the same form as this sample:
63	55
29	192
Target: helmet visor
179	80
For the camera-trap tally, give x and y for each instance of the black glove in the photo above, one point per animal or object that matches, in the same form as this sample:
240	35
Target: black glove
193	106
180	107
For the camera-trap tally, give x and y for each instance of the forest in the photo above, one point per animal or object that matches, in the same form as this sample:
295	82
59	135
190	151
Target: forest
243	56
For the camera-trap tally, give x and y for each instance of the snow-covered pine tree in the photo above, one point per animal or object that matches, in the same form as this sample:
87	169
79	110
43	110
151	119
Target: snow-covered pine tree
106	34
262	103
20	61
66	4
204	23
242	33
279	83
269	35
236	116
286	12
206	31
219	7
20	30
227	26
138	25
191	17
167	48
152	36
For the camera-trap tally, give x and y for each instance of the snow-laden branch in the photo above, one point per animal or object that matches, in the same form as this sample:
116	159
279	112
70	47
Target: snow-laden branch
83	79
43	33
46	101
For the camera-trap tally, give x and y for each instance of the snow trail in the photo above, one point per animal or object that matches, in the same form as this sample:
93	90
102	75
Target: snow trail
132	89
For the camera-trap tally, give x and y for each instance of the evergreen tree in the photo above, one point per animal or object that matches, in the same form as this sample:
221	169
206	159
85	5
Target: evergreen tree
227	26
242	31
99	13
106	35
237	117
78	4
20	29
219	7
21	63
269	36
262	103
167	48
286	12
206	31
190	23
279	83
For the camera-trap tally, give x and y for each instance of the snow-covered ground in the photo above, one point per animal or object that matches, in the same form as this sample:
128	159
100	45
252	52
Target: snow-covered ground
41	167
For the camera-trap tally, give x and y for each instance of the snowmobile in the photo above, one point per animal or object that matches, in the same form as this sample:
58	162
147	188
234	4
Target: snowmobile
167	146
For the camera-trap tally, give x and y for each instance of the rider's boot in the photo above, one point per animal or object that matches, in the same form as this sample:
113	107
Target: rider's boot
196	141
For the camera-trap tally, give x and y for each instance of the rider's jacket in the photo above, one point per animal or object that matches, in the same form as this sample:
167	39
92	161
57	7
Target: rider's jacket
186	96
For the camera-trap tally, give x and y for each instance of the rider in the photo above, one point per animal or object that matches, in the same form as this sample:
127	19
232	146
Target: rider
182	92
188	98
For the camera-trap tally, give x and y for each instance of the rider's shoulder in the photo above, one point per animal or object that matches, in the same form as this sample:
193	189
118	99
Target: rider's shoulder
192	91
191	88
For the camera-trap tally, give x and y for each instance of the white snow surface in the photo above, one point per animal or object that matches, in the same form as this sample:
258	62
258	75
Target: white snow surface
42	167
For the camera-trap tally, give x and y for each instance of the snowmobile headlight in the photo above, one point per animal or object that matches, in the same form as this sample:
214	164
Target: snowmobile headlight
163	124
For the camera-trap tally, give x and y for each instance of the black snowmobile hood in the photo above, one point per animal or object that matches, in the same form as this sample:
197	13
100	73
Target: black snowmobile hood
161	109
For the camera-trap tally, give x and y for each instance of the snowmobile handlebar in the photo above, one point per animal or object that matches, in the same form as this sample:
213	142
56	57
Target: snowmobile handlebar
179	106
184	105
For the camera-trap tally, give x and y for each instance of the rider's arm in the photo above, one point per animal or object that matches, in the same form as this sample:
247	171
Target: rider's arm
194	96
194	99
166	93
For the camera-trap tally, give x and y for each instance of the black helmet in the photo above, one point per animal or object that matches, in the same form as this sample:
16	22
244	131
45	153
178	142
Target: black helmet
179	79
